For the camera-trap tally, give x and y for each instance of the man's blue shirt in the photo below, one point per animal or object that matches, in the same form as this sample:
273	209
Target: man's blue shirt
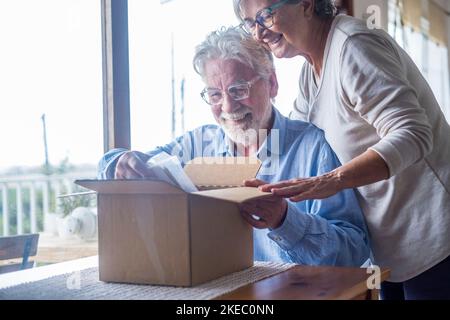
331	231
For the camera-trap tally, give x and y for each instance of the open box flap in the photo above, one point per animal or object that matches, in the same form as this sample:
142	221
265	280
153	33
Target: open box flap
222	171
236	195
129	186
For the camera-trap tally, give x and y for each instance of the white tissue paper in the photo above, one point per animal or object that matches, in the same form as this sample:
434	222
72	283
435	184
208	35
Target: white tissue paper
168	168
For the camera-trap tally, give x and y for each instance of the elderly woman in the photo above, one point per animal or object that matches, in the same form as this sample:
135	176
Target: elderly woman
386	127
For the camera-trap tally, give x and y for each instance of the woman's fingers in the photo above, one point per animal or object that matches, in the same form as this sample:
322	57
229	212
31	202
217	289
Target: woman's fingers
289	191
255	183
278	185
320	187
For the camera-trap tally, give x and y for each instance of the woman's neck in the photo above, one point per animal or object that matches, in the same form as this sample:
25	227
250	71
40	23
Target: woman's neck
318	40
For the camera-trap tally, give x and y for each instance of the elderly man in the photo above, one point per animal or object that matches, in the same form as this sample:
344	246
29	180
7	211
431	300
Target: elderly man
240	84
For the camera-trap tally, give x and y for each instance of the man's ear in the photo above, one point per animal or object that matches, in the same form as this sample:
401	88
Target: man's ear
273	83
309	7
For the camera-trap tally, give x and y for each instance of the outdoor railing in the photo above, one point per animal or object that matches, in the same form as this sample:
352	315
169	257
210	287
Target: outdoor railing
30	198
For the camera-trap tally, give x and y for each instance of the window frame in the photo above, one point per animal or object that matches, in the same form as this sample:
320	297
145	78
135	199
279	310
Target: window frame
116	79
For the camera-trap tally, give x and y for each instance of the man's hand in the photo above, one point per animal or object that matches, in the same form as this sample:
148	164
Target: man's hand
264	213
132	165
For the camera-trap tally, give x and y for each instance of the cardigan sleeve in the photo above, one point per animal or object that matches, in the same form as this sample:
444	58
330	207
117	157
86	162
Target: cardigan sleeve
374	80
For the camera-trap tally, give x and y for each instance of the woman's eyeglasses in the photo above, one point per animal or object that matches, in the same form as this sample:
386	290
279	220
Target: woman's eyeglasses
264	18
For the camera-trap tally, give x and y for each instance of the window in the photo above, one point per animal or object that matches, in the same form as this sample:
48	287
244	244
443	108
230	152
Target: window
162	42
50	65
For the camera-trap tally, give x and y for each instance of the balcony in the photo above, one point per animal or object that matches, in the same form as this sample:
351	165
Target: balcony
29	204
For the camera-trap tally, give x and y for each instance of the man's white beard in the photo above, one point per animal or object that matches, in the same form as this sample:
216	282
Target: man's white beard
247	137
244	134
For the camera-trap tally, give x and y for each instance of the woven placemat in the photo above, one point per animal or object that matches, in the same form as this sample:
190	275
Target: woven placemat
84	285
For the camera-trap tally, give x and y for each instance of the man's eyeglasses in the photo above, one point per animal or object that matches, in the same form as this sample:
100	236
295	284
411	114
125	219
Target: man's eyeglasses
264	17
239	91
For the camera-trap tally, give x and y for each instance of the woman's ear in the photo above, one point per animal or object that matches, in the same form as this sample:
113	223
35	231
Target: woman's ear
309	7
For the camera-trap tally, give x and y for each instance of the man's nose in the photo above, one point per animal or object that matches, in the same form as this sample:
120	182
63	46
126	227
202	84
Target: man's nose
228	104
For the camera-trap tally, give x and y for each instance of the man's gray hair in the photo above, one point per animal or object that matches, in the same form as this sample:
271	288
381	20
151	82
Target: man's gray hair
324	9
234	44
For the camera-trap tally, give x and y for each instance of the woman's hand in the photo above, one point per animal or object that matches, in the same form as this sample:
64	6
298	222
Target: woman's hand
365	169
132	165
264	213
304	189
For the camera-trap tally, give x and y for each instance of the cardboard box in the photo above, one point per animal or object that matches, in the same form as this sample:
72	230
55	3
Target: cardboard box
151	232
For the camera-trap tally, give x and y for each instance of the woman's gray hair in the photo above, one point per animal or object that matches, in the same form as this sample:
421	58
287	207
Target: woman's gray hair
234	44
324	9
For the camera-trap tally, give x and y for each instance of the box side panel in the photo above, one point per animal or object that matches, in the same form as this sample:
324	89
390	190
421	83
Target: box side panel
221	241
144	239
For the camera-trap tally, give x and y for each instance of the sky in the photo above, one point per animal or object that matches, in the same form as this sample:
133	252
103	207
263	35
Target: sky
50	63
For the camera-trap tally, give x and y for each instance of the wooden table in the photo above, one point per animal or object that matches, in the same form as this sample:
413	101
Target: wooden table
311	283
299	282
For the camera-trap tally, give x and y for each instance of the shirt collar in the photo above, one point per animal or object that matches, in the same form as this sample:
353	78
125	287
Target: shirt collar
223	145
278	129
